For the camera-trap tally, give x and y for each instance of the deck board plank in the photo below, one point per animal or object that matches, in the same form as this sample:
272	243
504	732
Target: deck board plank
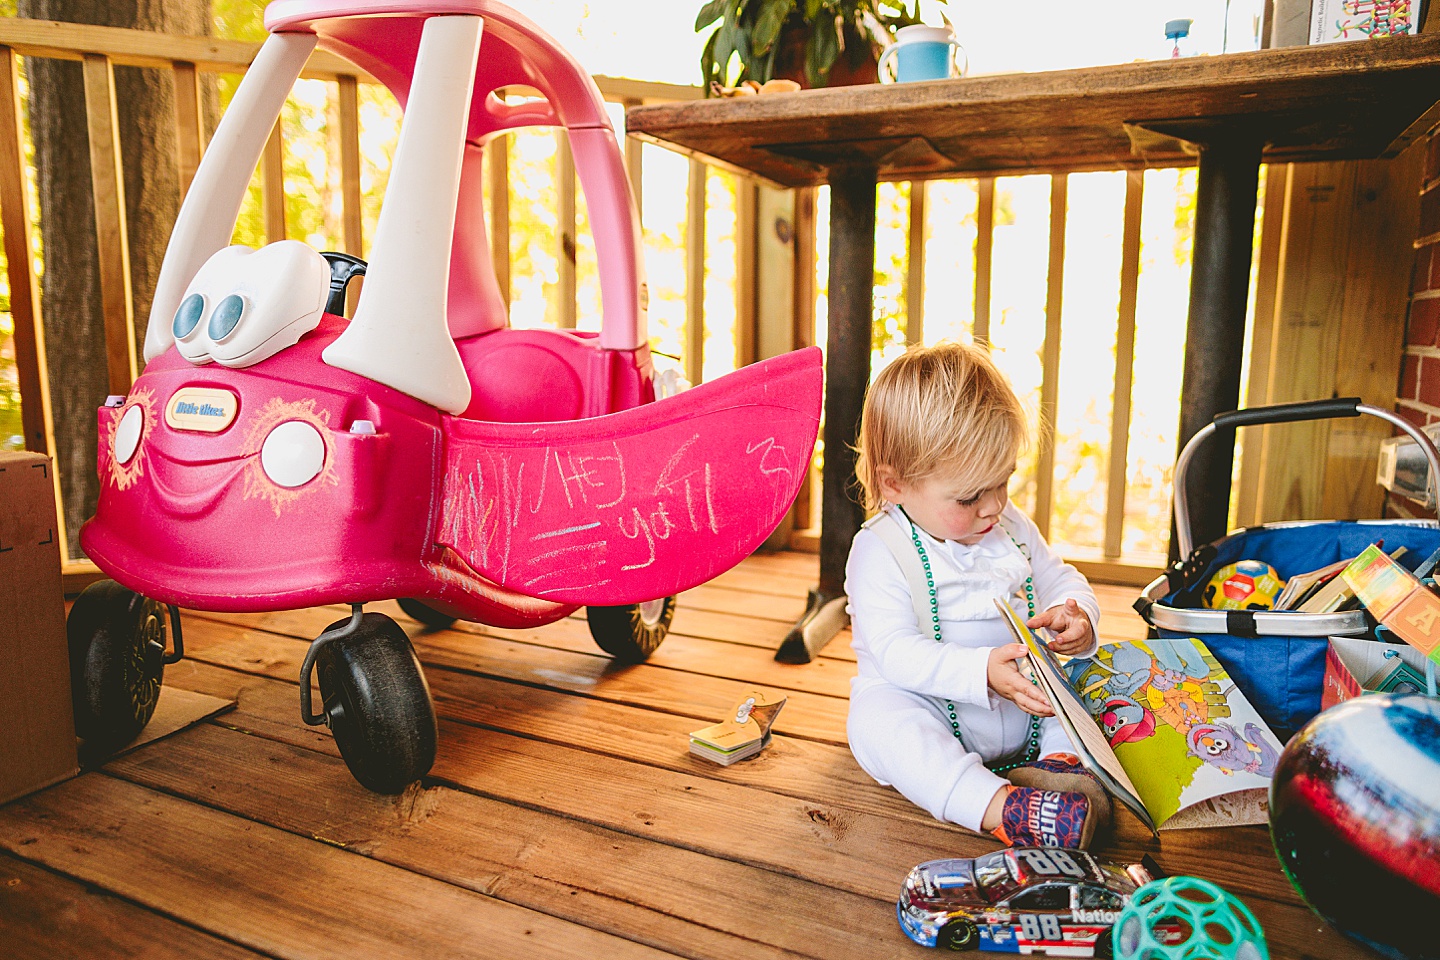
564	807
46	916
672	898
272	891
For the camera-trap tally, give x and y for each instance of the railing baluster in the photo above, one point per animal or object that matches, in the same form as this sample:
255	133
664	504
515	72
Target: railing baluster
352	218
804	328
915	266
565	227
113	251
1050	355
189	130
1124	363
497	158
352	215
984	242
634	165
695	273
29	336
747	201
273	185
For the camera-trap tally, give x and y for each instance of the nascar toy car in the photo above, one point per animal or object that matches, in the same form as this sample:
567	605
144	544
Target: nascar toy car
1036	900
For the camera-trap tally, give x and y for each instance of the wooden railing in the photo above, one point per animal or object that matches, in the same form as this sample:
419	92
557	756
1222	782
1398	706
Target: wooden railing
775	305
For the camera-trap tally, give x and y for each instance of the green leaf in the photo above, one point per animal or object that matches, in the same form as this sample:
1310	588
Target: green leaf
724	48
709	14
768	24
707	62
812	10
820	53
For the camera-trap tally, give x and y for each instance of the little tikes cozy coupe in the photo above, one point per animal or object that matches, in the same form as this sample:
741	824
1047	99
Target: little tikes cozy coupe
276	455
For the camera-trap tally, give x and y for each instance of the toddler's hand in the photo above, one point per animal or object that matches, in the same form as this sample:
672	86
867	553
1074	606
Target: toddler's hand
1070	625
1005	678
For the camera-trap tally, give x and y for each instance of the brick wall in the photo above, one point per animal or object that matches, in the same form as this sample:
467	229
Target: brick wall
1419	392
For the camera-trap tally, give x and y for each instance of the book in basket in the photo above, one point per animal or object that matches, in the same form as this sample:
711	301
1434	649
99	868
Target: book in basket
1163	727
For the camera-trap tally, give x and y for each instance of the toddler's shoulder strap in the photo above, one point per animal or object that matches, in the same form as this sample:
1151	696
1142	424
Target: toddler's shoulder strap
891	531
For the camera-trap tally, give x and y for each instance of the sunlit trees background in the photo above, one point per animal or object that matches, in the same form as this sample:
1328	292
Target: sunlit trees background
608	40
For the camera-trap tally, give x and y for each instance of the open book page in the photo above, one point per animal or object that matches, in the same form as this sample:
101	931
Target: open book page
1094	752
1196	750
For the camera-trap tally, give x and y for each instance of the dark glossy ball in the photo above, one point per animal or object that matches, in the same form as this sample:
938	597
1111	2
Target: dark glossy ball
1355	819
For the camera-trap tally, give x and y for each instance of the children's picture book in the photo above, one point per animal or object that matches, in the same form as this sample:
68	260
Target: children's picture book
1335	20
1163	726
743	734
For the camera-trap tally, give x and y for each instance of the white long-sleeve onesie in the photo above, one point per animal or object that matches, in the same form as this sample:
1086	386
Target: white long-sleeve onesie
898	726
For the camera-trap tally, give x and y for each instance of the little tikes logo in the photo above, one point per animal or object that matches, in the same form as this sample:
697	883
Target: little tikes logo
207	409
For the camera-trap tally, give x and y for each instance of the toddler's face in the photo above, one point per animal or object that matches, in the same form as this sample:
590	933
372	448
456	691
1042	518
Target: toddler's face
948	510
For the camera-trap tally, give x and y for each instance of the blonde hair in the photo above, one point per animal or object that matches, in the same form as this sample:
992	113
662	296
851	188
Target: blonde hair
945	409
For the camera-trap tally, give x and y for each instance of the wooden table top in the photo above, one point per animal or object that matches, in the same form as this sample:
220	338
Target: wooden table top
1356	100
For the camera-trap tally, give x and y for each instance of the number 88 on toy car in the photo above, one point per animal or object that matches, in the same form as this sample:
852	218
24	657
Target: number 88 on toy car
1035	900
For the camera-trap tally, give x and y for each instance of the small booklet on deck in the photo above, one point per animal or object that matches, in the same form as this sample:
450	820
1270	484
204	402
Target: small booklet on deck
744	734
1163	727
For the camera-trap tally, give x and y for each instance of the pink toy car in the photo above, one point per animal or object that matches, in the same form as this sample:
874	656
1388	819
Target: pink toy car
277	455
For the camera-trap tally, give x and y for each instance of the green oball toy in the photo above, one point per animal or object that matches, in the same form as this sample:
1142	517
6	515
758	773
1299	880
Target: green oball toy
1186	918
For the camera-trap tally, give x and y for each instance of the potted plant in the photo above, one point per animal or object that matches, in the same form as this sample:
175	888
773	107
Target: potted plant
816	43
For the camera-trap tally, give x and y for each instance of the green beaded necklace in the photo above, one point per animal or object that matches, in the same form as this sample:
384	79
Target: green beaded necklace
1032	747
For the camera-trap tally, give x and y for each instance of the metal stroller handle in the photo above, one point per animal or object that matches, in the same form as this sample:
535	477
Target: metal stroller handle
1284	413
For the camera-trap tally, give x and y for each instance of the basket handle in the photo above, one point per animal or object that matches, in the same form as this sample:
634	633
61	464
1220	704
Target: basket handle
1284	413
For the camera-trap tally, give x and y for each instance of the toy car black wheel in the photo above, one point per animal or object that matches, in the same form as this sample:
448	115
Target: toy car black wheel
632	632
378	704
1105	943
958	935
117	660
424	613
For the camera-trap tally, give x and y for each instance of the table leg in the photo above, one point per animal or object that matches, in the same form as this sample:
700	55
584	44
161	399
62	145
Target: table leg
1215	336
847	374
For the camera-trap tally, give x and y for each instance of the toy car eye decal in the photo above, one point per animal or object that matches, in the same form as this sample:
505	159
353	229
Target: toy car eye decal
127	435
226	317
187	317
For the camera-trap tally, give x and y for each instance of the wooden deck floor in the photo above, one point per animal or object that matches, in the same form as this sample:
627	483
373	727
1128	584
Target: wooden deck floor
564	816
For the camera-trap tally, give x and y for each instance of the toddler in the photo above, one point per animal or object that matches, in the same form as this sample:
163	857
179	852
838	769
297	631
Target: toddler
940	708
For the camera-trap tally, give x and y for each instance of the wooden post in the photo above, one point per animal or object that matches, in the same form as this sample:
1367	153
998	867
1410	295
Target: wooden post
847	375
108	186
273	163
695	273
1124	363
1050	355
915	267
847	365
565	227
497	156
1215	335
984	239
29	335
747	200
189	129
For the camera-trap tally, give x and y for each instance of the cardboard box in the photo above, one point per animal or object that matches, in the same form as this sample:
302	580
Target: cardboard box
37	727
1351	661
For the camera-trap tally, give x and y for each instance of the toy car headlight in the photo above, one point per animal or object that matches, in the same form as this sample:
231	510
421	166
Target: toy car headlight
127	435
293	454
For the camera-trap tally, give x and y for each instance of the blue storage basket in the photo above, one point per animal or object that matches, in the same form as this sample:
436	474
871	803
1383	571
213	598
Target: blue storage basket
1277	659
